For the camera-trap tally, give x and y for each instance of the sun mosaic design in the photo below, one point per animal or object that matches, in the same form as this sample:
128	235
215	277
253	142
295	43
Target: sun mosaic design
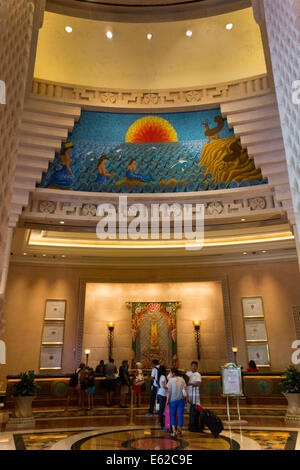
151	129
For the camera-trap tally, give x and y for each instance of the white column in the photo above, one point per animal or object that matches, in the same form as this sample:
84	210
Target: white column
282	19
18	21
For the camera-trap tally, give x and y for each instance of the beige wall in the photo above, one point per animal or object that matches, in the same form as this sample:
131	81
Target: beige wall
106	302
29	287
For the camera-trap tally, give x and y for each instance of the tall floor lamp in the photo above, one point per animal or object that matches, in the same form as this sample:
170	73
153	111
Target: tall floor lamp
235	351
87	353
111	327
197	324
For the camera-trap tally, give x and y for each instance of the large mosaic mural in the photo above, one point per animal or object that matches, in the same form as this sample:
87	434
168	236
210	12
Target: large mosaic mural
154	333
136	153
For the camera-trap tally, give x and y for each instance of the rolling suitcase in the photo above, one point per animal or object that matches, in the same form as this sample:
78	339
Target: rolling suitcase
167	416
213	422
195	423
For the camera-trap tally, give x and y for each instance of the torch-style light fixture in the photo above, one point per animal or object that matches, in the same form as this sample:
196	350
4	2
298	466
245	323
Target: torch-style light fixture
111	327
197	324
87	353
235	350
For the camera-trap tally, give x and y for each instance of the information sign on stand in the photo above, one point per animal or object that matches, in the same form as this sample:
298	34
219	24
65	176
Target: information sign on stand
232	386
232	380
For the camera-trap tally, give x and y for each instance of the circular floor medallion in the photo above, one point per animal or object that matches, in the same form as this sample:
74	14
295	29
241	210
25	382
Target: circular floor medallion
154	439
155	443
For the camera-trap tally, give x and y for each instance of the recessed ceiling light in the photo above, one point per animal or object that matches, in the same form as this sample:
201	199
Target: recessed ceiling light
24	254
109	34
243	220
189	33
245	253
68	29
44	255
149	36
61	222
229	26
264	251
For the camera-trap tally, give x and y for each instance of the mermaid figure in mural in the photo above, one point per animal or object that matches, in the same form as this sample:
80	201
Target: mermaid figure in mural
102	171
133	175
64	177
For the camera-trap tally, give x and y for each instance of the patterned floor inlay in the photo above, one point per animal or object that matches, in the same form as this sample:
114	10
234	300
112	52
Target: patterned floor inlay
154	439
273	440
40	441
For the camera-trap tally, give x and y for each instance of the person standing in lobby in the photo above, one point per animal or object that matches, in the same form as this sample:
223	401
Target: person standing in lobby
82	376
154	388
194	383
177	394
100	368
110	372
125	383
138	381
162	394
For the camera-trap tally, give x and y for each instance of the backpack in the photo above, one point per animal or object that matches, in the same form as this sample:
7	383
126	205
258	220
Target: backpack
73	380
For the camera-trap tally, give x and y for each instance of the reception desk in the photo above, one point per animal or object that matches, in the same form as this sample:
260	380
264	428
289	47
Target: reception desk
259	388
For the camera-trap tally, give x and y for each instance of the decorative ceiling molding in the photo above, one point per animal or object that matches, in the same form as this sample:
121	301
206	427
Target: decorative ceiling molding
181	99
117	263
145	11
49	207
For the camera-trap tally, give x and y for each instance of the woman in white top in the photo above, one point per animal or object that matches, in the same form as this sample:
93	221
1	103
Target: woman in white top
162	394
177	395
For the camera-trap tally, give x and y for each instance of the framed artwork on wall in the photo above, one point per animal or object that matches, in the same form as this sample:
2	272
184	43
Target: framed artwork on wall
255	330
259	353
252	307
55	309
53	333
51	358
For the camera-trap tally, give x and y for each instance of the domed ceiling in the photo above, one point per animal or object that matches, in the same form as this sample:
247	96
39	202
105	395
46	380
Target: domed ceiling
170	59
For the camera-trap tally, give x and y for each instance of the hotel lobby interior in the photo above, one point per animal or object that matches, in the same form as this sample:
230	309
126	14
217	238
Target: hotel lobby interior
149	210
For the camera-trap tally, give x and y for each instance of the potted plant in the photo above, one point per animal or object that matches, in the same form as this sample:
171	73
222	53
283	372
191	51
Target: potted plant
24	392
291	389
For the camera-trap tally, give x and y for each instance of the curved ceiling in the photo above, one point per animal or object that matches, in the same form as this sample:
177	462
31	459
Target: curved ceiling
169	60
144	10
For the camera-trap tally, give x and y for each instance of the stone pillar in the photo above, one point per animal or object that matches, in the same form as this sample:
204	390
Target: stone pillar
5	263
282	19
259	16
18	22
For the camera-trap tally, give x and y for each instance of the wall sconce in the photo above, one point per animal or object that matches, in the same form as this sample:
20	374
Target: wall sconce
235	350
87	353
197	324
111	327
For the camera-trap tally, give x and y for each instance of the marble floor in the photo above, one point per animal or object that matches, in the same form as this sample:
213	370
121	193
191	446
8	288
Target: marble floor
55	431
145	438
